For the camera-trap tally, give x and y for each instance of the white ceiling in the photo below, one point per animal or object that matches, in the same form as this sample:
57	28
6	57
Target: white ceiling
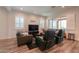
39	10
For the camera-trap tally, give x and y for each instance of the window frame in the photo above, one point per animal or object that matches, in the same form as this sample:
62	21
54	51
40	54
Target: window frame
60	24
49	24
42	23
57	24
52	24
20	24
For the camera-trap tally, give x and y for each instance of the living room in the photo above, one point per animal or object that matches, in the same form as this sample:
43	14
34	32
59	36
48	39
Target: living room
14	19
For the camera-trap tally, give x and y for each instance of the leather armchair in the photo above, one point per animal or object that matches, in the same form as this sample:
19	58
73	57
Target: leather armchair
40	43
59	36
47	41
23	40
20	39
49	38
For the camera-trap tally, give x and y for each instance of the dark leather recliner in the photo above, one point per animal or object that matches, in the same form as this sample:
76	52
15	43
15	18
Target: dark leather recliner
20	39
23	40
49	38
59	36
47	41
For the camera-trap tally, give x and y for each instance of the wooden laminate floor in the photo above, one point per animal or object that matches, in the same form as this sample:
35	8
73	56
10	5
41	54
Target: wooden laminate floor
10	46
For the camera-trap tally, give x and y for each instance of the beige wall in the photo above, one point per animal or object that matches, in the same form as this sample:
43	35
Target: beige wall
29	19
11	25
70	17
3	23
7	22
72	21
77	23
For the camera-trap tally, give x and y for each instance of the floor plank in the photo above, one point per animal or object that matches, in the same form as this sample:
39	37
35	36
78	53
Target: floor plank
10	46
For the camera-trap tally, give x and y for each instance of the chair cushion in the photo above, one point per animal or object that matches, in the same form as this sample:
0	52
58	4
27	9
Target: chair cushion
38	40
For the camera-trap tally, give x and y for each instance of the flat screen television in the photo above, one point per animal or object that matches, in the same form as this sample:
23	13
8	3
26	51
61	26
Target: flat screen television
33	29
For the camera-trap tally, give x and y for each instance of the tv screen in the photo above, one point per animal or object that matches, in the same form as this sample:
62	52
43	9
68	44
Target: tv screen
33	29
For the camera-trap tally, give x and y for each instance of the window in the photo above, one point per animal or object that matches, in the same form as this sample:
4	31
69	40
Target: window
53	24
62	24
50	24
42	23
19	21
